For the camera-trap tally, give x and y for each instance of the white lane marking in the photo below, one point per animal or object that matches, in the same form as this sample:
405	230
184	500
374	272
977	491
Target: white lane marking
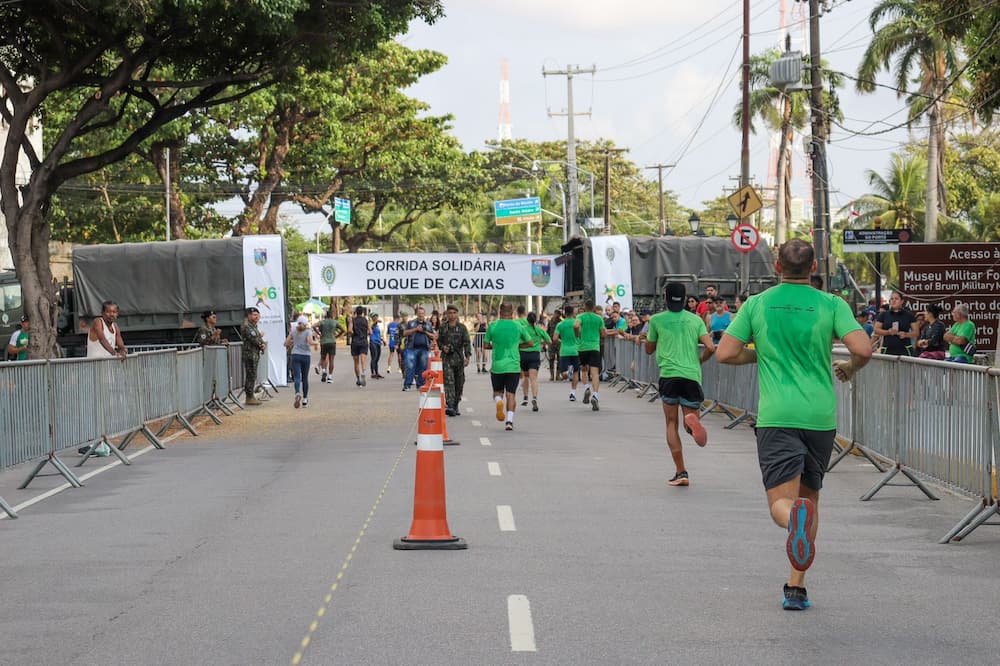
494	468
83	477
478	424
485	441
471	410
505	516
522	630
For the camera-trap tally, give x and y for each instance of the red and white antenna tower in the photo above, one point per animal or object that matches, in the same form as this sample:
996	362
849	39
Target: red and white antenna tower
504	128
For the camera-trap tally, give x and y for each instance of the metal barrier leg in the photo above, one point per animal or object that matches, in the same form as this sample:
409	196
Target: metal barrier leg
114	449
70	477
738	420
187	424
844	452
645	390
216	403
960	526
232	399
984	515
147	433
8	509
884	481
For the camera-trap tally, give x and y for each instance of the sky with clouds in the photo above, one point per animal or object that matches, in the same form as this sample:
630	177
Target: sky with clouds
666	85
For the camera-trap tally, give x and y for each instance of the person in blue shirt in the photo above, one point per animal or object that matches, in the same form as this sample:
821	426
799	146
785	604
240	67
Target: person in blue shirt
418	333
376	342
718	319
392	333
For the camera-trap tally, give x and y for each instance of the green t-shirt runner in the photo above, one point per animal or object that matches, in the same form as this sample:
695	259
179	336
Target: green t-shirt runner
568	342
793	326
676	335
506	336
591	326
537	335
965	330
328	331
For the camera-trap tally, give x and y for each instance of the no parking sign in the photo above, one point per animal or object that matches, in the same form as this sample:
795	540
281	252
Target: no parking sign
745	238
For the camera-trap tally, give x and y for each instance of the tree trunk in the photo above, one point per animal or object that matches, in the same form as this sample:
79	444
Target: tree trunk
272	158
269	223
29	246
931	204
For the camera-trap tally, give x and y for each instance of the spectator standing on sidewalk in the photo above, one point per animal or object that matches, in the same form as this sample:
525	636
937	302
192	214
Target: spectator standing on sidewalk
793	327
105	337
707	305
896	326
253	347
392	335
961	337
456	351
931	343
674	336
478	344
17	346
718	319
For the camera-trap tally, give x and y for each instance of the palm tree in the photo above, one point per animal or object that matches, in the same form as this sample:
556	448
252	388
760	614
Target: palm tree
912	42
786	112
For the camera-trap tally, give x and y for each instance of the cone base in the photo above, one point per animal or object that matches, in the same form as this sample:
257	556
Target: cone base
406	543
451	442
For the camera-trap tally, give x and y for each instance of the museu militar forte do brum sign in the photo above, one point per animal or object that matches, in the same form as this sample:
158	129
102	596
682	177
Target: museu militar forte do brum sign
953	273
371	274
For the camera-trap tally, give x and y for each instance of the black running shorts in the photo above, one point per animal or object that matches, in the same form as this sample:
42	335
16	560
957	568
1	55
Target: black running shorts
567	362
681	391
359	350
788	453
328	349
505	381
592	359
530	360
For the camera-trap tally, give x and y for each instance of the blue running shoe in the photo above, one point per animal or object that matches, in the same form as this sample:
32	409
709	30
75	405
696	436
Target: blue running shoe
800	547
796	598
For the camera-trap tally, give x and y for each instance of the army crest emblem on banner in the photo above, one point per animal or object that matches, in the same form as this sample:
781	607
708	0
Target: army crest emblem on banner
541	272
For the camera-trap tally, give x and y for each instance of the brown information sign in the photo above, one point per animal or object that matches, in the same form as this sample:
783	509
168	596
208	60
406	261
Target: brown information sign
953	273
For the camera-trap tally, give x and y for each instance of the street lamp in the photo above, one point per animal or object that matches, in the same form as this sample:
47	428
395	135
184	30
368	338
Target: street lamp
695	221
732	221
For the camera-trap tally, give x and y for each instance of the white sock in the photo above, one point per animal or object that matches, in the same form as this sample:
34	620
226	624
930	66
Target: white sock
573	393
586	387
510	416
593	396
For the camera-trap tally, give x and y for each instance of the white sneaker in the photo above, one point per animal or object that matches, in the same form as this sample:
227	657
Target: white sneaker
305	402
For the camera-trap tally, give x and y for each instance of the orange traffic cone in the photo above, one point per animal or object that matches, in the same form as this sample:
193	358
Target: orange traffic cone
429	530
436	364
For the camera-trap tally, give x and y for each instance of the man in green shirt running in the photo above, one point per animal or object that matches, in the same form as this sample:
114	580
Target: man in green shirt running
569	351
589	327
506	338
674	336
328	330
793	326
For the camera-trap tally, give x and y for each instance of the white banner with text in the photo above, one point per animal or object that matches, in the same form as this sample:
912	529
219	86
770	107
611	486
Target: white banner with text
612	270
264	288
420	274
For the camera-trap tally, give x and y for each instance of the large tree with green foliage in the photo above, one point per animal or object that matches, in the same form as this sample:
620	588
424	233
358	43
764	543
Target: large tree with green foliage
168	57
909	38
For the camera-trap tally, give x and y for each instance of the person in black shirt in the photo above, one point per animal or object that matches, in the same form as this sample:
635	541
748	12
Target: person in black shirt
896	326
931	343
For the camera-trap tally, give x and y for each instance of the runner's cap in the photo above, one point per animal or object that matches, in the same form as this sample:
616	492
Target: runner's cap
675	296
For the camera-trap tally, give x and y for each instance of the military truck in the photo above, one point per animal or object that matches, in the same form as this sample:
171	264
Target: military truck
695	261
161	289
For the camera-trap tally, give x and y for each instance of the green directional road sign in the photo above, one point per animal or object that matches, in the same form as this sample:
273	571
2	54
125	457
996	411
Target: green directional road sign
518	211
341	210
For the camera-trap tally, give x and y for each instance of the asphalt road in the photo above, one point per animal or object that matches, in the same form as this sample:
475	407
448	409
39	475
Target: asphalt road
268	540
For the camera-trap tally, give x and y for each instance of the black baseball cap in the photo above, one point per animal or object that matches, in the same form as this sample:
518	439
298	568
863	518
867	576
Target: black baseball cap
676	295
25	318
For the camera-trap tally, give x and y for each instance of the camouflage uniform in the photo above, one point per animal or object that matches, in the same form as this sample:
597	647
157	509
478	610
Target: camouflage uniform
253	346
456	340
208	336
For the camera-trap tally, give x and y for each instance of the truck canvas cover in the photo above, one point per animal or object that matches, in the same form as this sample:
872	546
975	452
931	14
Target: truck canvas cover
168	278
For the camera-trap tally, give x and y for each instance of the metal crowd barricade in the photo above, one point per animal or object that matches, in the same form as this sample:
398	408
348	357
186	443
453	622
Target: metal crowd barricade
234	354
154	375
24	415
190	386
847	408
264	378
990	506
216	373
117	404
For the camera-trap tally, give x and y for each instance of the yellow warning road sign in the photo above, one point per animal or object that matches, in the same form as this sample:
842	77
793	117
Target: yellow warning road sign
745	202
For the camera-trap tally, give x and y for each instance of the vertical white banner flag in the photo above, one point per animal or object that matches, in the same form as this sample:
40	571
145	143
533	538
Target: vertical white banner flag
264	289
612	270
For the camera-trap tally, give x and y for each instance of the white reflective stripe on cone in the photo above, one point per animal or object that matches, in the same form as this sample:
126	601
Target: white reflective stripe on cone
436	365
430	443
431	401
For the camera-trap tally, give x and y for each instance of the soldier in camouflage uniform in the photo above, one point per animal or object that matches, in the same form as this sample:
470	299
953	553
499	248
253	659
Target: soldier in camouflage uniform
208	334
456	350
253	347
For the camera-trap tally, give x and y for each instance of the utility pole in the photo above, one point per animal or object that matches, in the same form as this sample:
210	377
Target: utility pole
166	181
745	145
574	186
820	184
607	186
659	172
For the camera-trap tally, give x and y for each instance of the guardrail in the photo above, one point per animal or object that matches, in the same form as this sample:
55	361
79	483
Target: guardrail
925	420
49	406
